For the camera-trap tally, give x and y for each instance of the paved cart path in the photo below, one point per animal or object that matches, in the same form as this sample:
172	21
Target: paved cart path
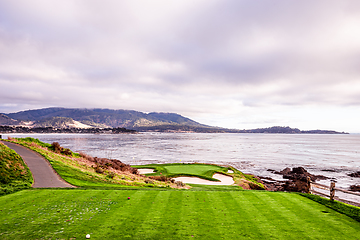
44	175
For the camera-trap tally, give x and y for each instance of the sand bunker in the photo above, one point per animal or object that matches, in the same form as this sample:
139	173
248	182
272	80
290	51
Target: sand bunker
230	171
224	180
145	170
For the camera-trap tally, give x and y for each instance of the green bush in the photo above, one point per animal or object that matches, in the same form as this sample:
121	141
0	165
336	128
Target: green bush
111	175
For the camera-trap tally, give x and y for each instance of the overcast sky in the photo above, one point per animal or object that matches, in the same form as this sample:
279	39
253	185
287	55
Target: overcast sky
236	64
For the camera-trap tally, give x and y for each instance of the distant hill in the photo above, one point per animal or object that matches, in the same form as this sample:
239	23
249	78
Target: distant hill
63	117
279	129
70	118
5	120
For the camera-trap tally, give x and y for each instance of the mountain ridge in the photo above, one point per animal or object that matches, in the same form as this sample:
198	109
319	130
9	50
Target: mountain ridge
71	118
100	117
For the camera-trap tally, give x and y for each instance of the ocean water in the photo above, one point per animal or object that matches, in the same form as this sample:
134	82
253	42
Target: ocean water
334	156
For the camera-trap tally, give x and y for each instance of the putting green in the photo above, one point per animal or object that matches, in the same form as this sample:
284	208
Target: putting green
205	171
193	169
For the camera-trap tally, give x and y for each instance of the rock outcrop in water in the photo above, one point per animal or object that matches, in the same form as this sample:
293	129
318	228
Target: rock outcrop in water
297	180
355	174
355	188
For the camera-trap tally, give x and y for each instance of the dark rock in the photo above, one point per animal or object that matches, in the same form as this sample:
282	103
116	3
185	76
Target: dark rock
296	186
355	174
285	171
328	170
355	188
274	171
300	173
297	182
299	170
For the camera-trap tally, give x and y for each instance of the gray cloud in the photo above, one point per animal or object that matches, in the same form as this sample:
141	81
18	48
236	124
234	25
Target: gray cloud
193	57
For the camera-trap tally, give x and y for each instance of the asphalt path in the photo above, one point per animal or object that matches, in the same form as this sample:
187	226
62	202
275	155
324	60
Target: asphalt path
44	175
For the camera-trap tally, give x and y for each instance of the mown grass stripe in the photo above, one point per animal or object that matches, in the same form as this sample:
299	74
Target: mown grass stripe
155	221
170	223
126	217
226	221
248	215
90	205
189	217
205	217
242	225
195	222
286	220
82	208
266	227
330	222
299	214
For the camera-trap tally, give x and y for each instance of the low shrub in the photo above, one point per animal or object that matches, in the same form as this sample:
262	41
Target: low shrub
148	181
55	146
98	169
111	175
106	163
161	178
180	184
67	152
87	157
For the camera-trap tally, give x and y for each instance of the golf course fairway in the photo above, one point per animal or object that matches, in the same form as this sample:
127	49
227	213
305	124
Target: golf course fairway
169	214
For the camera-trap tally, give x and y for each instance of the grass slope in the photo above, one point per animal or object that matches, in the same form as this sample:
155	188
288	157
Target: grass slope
14	173
77	171
173	214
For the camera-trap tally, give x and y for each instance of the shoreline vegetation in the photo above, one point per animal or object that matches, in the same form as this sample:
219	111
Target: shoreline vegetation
172	128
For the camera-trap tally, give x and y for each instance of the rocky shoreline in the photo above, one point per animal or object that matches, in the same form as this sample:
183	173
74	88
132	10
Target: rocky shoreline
296	180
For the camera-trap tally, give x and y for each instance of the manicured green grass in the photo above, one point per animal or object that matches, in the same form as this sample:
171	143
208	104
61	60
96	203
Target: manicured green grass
195	169
172	214
14	173
349	210
205	171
